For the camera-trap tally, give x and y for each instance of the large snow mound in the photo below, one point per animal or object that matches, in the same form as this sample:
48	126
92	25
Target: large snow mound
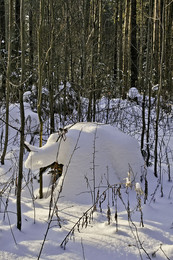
93	155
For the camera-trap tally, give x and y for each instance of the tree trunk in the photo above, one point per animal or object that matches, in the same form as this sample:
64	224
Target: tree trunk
156	39
22	116
134	52
141	48
8	80
148	77
31	44
168	51
141	79
40	83
115	63
126	50
50	66
120	48
159	91
2	49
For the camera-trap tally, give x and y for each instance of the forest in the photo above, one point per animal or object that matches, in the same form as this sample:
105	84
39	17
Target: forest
102	48
66	63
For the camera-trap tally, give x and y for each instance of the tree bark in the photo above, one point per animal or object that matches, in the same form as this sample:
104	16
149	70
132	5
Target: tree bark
159	92
22	116
148	77
2	49
126	51
120	48
50	66
8	81
134	52
31	45
40	84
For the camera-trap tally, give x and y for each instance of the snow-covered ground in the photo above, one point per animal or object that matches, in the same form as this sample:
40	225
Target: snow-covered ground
123	224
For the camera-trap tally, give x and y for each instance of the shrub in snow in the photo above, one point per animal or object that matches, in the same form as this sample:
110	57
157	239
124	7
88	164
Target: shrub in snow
31	121
104	155
26	96
134	95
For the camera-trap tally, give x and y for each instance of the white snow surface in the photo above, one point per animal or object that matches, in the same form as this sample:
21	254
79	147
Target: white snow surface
89	151
121	240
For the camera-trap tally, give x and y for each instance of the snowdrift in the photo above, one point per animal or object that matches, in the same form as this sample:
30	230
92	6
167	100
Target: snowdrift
94	155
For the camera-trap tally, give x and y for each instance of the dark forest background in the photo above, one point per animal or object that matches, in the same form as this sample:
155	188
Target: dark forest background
99	47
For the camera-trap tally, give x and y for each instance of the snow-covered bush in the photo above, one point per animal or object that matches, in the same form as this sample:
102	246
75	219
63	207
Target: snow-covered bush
102	151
